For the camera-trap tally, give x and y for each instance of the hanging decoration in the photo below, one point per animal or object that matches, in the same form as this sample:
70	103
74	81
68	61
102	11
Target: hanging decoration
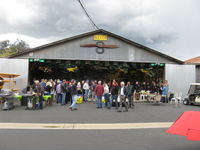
45	69
148	72
144	71
72	69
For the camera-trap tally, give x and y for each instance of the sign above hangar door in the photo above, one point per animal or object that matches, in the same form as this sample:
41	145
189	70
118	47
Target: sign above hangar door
100	37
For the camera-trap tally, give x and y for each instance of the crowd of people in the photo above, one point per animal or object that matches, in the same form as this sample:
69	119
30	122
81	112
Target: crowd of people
117	95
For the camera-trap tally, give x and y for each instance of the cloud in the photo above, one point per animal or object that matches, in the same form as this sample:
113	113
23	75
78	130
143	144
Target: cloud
168	26
42	18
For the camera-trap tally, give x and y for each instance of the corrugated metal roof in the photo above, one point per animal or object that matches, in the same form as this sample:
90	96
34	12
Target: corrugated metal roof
95	32
195	60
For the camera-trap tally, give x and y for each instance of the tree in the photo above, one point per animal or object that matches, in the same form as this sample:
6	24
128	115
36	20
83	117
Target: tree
7	49
19	46
4	45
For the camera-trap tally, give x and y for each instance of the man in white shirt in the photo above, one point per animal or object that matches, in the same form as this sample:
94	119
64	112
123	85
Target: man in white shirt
122	96
86	88
106	95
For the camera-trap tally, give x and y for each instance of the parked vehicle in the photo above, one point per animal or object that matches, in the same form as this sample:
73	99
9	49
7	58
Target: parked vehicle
193	96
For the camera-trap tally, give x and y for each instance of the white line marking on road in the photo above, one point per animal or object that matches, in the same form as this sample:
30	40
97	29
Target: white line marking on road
86	126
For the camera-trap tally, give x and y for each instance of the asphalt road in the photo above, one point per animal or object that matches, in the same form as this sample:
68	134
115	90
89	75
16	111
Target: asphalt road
135	139
87	113
140	139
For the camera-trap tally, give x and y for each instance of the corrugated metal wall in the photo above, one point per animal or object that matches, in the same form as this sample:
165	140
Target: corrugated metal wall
198	73
180	77
16	66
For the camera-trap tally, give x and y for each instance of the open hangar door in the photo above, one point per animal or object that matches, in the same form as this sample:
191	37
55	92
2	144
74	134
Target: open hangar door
95	70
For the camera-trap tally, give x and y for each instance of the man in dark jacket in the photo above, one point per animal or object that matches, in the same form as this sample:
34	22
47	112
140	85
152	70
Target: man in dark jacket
58	92
68	94
39	91
63	92
122	96
73	92
114	93
130	91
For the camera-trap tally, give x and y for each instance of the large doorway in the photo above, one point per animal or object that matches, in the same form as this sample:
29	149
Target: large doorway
95	70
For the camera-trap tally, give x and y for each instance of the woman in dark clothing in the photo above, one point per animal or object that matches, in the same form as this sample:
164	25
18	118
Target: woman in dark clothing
68	95
47	89
73	92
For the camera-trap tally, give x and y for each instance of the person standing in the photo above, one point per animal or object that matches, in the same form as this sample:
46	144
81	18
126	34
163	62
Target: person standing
130	92
53	93
43	83
114	93
99	90
73	92
106	95
137	89
86	88
58	92
83	91
93	86
148	87
63	92
122	96
153	88
144	86
79	89
68	95
39	91
165	87
47	88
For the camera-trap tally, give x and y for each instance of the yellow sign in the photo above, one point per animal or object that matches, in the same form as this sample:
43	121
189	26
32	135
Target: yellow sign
100	37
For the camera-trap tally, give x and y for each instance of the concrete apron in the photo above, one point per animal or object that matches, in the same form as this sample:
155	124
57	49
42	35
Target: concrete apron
78	126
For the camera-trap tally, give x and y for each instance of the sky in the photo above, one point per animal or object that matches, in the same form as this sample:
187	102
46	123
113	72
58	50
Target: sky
169	26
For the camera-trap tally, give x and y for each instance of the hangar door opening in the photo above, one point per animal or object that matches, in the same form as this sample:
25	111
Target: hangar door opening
95	70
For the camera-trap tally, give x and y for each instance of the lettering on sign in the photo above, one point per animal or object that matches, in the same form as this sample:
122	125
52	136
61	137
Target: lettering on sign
100	37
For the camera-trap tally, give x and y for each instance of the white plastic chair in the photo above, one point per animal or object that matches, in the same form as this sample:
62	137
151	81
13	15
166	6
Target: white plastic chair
177	98
142	95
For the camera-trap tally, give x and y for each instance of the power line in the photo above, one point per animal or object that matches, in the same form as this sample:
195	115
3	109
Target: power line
84	9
